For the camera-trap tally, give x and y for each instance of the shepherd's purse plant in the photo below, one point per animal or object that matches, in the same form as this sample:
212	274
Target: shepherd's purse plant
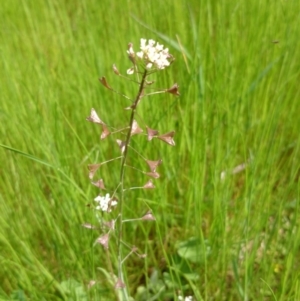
109	204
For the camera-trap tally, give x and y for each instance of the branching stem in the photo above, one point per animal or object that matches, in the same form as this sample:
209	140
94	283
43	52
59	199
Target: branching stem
122	172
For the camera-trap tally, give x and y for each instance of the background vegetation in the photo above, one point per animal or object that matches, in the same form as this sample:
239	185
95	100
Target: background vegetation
220	234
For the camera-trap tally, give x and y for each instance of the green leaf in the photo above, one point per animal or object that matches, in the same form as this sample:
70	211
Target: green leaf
193	250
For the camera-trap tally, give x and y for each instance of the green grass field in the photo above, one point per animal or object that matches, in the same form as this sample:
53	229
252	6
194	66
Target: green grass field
227	203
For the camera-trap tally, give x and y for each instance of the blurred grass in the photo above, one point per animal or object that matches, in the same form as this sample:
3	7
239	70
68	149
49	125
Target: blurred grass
237	64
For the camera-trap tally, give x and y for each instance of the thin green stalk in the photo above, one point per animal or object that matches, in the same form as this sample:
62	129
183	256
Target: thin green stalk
122	172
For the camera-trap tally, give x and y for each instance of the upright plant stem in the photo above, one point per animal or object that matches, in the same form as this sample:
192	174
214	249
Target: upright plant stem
122	172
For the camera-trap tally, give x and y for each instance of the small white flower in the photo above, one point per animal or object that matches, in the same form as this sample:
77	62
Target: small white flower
188	298
151	43
152	54
159	47
149	65
114	203
105	203
143	44
140	54
130	70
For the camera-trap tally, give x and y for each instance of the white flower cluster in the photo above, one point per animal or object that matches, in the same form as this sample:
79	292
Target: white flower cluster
188	298
105	203
153	54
